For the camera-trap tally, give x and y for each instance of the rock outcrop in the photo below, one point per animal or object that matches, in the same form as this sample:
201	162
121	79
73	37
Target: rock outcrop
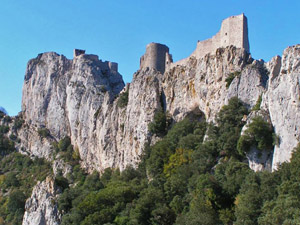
41	207
86	99
68	94
201	84
78	98
282	100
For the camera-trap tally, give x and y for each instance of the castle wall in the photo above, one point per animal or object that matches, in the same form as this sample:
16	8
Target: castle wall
78	52
156	57
234	31
113	66
106	65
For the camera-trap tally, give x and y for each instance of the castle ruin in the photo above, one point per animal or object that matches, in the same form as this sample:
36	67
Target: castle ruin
78	52
106	65
234	31
157	57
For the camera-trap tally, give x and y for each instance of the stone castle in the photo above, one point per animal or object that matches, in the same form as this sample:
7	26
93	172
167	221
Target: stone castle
234	31
106	65
157	57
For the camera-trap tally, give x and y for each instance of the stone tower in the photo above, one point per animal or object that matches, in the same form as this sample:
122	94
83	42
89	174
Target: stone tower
234	31
156	57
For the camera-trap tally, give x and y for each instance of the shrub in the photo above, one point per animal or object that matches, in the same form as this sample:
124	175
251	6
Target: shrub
231	76
159	124
43	132
2	114
103	88
6	145
7	119
61	182
13	137
259	134
230	124
76	154
180	157
123	99
4	129
16	201
64	143
258	103
11	180
18	123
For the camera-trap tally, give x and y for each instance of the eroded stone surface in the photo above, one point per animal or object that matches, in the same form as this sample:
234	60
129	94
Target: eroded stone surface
41	207
282	100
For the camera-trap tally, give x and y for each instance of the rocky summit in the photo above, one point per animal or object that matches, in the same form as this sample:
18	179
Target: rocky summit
107	122
80	98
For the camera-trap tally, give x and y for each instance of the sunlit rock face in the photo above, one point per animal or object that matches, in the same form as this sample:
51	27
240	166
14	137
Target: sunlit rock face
80	98
282	100
41	208
201	83
63	96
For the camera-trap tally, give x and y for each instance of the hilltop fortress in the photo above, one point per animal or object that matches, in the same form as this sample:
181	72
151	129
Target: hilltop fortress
234	31
157	57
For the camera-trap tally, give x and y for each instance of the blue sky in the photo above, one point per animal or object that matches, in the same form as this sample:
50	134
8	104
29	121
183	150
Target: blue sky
119	30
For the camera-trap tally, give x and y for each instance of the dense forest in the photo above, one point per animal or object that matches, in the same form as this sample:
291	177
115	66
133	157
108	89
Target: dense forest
197	173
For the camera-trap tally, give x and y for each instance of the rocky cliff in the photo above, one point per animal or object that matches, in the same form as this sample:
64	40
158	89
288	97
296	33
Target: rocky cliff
86	99
62	98
41	207
282	101
79	98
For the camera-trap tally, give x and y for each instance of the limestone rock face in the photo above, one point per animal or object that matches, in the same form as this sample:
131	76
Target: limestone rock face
33	144
60	166
41	207
200	84
282	100
79	98
249	85
123	131
63	96
259	160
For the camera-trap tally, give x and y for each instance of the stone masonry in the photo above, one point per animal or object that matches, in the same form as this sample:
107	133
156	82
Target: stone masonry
234	31
156	57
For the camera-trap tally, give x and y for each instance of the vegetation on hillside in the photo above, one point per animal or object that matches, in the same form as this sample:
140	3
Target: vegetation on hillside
231	77
123	99
185	180
196	174
18	175
258	134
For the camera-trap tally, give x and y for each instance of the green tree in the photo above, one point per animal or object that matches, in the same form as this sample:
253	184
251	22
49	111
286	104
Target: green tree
123	99
141	213
259	133
230	123
64	143
159	125
248	202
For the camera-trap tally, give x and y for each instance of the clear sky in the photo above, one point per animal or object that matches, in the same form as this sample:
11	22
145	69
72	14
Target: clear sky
119	30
